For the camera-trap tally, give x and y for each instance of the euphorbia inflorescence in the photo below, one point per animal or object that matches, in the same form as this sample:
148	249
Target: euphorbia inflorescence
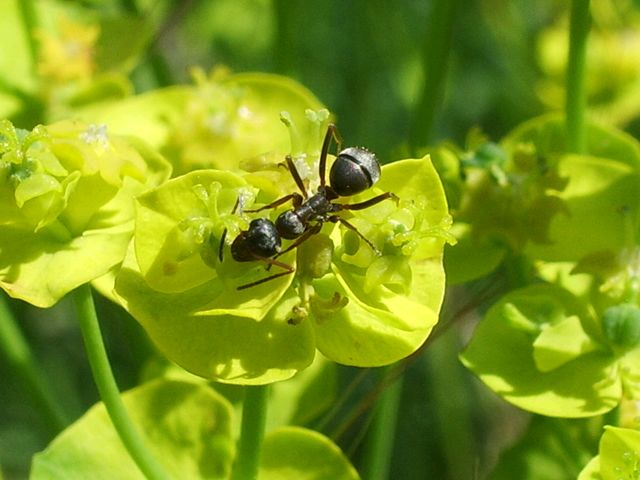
357	305
67	205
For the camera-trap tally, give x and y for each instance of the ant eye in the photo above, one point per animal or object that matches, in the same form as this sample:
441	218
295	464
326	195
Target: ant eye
354	171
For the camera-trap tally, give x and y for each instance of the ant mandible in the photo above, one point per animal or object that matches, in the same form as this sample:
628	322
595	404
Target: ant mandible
354	170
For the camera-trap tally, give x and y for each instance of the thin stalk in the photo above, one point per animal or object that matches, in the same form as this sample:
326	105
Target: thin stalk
380	440
30	22
19	356
254	417
436	52
284	14
576	76
107	387
575	457
450	405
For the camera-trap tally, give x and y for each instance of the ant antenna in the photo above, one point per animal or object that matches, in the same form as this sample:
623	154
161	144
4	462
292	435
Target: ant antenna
332	132
296	176
223	237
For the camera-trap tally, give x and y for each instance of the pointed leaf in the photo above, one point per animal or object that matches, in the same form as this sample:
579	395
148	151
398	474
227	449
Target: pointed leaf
391	302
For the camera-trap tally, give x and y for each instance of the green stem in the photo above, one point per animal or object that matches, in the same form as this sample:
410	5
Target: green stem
16	350
284	47
450	407
30	21
575	457
576	76
107	387
380	440
254	416
437	49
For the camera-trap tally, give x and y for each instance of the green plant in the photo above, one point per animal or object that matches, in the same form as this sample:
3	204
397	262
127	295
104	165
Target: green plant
348	365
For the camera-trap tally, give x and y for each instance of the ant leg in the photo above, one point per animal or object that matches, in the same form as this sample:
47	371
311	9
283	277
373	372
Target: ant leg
222	240
223	237
310	231
295	198
350	226
369	203
296	176
332	131
270	262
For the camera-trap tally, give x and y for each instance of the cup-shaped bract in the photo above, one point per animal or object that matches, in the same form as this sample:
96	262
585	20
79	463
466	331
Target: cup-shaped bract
66	192
180	280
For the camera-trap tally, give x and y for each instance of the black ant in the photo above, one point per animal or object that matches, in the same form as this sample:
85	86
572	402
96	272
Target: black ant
354	170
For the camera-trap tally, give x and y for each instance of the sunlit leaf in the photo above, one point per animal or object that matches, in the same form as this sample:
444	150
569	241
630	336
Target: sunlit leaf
503	354
187	428
293	452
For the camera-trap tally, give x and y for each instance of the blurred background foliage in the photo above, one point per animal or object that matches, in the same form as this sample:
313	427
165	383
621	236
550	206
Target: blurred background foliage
367	61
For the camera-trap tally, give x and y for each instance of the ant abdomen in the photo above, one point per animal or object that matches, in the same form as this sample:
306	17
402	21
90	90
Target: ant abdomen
261	240
355	170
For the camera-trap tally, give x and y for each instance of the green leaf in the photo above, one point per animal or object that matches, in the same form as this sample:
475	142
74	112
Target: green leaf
148	116
54	238
550	448
16	63
187	427
548	135
601	191
561	342
389	317
176	221
592	470
583	381
619	453
175	284
122	39
472	256
216	332
293	452
215	124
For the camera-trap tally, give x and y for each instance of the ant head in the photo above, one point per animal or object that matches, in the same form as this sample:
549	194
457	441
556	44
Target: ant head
354	170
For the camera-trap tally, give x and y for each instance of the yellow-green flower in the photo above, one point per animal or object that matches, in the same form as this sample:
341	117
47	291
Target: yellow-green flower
353	306
69	54
66	196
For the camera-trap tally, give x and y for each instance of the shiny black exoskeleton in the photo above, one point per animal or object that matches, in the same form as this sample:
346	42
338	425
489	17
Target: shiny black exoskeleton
260	243
354	170
261	240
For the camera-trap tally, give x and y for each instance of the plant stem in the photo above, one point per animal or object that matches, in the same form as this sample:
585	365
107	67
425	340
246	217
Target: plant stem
576	76
30	22
16	350
437	49
103	376
379	448
284	47
451	405
254	416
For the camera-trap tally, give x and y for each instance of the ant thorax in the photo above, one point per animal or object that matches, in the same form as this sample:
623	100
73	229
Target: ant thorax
351	172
